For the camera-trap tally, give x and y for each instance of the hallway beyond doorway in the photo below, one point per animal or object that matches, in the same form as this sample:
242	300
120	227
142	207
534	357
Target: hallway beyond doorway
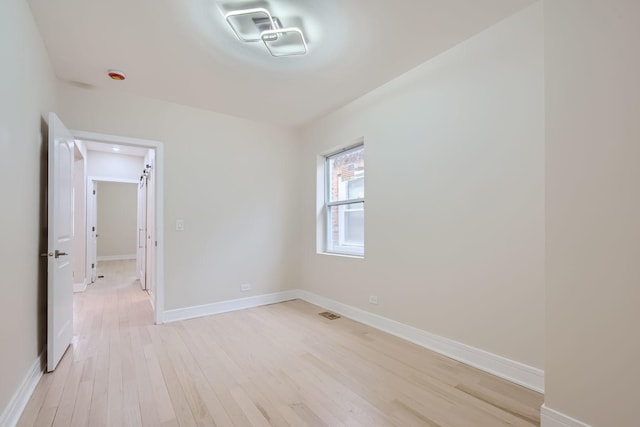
119	274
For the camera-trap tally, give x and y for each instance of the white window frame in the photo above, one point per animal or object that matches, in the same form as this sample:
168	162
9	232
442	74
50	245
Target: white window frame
328	204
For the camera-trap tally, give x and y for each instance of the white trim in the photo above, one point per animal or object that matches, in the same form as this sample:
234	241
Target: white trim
18	402
516	372
552	418
321	195
342	148
510	370
116	257
108	179
341	255
114	139
158	293
345	202
226	306
82	286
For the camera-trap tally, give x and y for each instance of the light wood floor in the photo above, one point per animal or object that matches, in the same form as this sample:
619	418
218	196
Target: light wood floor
279	365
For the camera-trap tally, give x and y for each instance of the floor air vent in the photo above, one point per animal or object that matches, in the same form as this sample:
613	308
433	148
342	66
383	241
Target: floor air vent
329	315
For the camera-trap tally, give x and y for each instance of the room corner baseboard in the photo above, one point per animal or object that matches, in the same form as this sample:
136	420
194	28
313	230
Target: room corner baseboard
552	418
115	257
516	372
226	306
18	402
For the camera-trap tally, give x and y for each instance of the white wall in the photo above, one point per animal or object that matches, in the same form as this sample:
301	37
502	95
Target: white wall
231	180
27	90
593	210
117	220
454	195
454	162
114	166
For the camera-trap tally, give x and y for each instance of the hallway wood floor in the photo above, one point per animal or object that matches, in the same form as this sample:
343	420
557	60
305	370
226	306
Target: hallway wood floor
276	365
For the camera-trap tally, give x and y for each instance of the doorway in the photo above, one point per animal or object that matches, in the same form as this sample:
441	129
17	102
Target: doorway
147	181
113	220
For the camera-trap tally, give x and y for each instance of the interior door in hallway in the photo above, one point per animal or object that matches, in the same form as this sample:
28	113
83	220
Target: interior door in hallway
141	262
92	230
150	212
60	241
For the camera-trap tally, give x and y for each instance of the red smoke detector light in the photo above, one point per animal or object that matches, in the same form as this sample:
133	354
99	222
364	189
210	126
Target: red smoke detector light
116	75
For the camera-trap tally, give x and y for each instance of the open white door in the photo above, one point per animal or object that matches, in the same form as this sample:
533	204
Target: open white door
142	233
60	242
92	233
150	211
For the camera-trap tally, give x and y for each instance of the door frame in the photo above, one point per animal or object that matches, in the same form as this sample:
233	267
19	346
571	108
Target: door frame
141	232
158	295
91	245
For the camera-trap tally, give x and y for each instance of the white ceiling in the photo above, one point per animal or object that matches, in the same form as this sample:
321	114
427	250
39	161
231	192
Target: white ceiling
183	51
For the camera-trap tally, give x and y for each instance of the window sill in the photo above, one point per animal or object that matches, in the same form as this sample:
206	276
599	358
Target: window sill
337	254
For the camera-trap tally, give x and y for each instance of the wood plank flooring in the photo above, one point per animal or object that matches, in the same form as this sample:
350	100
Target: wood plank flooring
276	365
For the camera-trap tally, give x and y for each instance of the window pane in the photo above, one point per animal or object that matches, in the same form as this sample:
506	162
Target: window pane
346	229
346	175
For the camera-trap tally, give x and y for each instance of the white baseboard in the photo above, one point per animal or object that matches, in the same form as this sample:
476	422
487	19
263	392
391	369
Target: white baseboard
516	372
510	370
18	402
81	287
115	257
226	306
552	418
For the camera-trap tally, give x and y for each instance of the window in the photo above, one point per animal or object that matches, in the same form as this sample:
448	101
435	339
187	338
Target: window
344	201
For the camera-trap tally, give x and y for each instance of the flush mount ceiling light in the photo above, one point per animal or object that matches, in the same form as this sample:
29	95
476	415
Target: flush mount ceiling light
284	41
257	24
116	75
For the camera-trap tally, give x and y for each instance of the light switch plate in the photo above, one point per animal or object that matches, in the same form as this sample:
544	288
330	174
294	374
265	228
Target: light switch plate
179	224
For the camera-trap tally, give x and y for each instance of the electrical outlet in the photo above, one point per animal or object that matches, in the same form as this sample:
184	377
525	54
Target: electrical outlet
245	287
179	224
373	299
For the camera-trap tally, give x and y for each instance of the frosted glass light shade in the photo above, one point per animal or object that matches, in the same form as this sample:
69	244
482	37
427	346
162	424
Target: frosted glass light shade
284	41
243	26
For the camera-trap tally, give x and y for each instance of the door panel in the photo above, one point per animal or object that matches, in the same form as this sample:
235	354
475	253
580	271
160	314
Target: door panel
142	232
60	242
151	231
92	231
